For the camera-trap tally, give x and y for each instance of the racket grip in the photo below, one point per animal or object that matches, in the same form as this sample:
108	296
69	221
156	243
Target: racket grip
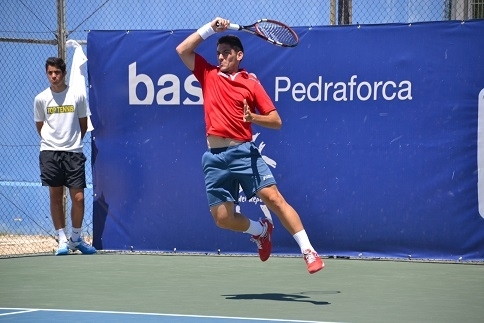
234	27
231	26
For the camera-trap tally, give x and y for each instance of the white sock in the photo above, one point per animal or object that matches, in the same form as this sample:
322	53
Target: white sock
76	234
61	233
255	228
302	240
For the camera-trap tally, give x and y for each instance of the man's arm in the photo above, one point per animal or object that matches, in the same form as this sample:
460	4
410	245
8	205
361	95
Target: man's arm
38	125
186	49
83	124
271	120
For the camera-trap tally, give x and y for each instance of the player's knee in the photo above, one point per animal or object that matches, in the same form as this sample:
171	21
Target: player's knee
221	223
273	199
222	220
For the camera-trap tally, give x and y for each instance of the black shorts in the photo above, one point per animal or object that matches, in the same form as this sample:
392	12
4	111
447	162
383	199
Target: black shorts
62	168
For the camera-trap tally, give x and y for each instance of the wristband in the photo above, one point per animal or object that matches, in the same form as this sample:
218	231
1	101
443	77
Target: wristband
206	31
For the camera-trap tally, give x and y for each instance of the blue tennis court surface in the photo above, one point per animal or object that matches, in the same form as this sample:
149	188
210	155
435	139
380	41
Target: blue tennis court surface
54	315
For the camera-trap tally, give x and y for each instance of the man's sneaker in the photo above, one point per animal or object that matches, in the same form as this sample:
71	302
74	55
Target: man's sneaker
82	246
263	241
62	249
313	261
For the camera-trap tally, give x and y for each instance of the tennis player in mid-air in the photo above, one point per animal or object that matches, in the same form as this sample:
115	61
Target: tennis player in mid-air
231	97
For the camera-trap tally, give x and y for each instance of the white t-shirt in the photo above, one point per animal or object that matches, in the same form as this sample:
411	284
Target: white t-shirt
60	113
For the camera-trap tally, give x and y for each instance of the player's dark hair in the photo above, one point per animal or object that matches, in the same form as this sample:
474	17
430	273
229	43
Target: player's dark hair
233	41
56	62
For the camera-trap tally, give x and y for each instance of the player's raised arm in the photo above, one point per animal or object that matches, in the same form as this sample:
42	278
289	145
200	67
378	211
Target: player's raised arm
186	49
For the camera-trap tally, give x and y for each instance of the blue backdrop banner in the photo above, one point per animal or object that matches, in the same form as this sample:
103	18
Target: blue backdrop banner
378	151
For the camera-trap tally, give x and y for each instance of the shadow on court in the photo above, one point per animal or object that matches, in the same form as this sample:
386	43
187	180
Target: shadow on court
276	297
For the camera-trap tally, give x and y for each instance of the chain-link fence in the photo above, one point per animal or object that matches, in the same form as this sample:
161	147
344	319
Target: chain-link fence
32	30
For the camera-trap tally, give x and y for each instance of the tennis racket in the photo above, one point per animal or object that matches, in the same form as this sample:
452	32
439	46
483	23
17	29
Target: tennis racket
273	31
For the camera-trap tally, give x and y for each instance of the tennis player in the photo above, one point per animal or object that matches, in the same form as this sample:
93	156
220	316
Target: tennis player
231	97
60	115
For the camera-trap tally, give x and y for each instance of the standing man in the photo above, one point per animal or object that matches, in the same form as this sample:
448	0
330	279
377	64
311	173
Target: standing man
60	116
231	96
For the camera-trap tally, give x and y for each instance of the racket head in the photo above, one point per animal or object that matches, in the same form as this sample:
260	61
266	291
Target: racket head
276	33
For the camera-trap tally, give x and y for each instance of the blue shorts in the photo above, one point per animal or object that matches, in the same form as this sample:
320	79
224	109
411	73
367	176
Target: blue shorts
227	168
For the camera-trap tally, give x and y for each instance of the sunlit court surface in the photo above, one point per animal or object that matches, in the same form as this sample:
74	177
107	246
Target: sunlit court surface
220	288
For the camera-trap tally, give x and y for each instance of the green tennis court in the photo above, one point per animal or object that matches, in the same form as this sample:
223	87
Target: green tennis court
210	287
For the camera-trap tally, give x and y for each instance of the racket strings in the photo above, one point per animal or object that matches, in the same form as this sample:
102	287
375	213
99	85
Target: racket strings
277	33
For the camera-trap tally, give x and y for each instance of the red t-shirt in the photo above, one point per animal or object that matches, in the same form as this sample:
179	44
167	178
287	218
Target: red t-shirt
223	97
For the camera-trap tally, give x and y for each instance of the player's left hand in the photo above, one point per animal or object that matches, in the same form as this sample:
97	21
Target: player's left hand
247	113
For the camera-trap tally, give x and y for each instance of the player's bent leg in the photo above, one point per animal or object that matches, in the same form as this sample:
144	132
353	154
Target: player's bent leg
292	222
284	211
225	217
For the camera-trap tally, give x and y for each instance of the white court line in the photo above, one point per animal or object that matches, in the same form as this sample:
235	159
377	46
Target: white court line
161	314
15	313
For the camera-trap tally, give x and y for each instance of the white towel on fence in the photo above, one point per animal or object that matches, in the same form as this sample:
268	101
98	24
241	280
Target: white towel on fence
77	77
